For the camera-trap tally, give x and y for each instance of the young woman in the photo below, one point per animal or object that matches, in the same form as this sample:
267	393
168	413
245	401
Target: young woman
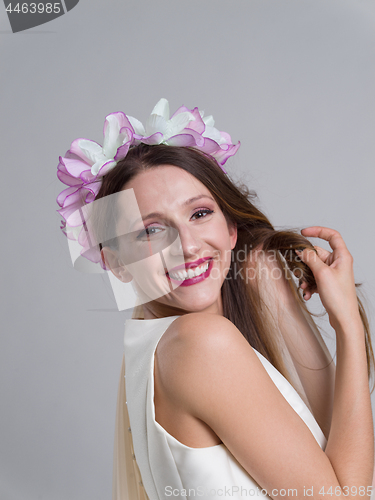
230	390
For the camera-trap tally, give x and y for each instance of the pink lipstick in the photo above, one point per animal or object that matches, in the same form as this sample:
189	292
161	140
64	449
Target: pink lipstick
191	273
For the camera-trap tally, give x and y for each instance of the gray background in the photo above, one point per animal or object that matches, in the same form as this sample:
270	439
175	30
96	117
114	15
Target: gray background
292	79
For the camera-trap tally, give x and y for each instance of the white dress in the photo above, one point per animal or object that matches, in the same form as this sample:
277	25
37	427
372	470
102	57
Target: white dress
170	469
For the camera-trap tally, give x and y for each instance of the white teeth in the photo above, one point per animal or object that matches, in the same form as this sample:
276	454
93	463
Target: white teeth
184	274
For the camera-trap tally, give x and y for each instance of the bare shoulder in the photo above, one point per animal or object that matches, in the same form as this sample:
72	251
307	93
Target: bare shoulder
196	334
194	350
201	328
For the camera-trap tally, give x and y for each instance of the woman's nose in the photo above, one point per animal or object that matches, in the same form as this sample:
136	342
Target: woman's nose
187	243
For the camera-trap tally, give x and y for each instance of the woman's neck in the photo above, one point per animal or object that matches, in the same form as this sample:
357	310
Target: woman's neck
155	310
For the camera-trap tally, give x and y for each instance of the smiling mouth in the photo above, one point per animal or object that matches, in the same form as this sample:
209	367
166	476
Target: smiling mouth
185	274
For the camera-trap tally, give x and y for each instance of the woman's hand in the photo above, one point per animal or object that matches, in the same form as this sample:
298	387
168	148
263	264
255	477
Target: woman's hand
333	272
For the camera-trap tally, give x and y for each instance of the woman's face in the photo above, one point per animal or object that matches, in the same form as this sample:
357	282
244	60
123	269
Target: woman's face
179	216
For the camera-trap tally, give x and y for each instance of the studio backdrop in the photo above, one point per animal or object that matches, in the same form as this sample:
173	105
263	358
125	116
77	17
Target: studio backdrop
293	80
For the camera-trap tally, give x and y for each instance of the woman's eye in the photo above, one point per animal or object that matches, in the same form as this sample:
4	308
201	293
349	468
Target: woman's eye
202	213
149	231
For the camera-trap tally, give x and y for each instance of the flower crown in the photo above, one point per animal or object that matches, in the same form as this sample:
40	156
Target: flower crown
86	162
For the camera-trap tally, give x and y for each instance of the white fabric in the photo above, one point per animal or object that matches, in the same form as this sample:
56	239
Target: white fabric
164	463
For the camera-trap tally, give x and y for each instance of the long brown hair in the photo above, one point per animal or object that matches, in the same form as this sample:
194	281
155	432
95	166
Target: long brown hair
241	302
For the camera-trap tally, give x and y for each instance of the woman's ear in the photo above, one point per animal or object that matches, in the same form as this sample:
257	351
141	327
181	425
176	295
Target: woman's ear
232	227
113	262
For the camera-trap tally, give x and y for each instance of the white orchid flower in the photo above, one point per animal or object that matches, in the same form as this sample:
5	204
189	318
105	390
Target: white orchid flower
160	127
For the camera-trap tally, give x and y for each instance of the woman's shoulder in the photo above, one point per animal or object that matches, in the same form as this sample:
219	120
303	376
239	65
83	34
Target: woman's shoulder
194	348
200	330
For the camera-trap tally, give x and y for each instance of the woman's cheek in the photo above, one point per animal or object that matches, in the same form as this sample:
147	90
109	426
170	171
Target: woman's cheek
149	276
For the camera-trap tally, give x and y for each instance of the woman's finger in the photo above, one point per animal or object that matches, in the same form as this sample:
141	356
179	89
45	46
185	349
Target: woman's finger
333	237
307	295
323	253
325	256
307	288
307	291
312	259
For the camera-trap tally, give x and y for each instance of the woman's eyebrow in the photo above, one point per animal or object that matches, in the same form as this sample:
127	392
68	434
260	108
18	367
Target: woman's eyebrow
151	216
196	198
185	203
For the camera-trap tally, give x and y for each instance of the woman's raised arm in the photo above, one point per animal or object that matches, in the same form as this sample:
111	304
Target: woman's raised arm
352	421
